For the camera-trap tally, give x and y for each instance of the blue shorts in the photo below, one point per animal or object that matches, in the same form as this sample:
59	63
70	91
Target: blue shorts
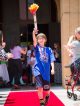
40	82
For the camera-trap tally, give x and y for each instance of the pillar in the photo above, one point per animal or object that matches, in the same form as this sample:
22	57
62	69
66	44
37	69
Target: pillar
70	13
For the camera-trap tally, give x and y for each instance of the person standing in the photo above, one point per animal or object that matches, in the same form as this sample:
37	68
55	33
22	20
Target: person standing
3	59
57	66
44	57
32	64
15	64
29	69
74	52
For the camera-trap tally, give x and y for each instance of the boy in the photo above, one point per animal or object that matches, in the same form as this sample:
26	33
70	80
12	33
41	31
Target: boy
45	58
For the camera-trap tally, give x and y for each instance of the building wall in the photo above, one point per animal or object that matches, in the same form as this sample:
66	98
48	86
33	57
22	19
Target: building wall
44	17
43	13
10	20
70	19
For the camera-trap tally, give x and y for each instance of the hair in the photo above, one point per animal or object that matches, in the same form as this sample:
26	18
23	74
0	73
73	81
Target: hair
77	30
57	44
30	47
1	35
42	35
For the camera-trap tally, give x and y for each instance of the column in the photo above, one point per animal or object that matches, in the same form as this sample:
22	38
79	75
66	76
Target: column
70	13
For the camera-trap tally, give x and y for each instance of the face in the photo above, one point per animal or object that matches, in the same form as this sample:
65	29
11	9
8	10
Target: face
55	45
41	41
78	36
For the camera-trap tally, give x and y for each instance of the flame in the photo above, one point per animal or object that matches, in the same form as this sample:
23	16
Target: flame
33	8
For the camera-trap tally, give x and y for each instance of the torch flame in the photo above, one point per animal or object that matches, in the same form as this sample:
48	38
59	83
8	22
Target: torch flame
33	8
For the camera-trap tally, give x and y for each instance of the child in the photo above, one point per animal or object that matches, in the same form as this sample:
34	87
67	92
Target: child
44	57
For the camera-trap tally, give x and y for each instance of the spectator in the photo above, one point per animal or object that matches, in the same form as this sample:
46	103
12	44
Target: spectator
3	59
57	66
15	64
29	71
32	63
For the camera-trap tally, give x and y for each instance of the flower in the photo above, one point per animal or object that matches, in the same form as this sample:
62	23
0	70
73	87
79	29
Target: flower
33	8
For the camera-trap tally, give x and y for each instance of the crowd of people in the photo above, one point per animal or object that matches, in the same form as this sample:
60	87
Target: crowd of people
30	64
19	68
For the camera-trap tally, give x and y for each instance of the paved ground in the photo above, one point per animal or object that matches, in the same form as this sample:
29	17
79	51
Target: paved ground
62	94
58	90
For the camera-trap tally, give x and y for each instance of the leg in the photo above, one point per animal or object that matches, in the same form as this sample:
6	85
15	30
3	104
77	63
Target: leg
46	91
39	82
11	70
29	73
18	72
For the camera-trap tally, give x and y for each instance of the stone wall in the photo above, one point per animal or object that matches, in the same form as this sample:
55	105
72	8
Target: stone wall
70	19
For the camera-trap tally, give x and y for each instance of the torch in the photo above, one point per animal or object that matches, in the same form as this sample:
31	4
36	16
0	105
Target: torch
33	9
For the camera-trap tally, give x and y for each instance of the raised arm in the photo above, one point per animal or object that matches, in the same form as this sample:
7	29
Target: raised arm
69	45
34	37
70	40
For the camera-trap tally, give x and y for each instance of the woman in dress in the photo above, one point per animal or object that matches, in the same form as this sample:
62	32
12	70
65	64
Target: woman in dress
3	59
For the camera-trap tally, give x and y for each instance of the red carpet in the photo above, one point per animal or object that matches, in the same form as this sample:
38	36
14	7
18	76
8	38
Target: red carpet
30	99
